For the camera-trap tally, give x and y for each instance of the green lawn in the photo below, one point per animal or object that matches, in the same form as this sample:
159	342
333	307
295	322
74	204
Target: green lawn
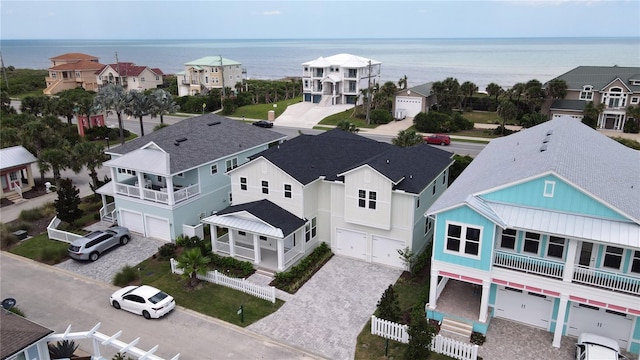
39	245
483	117
261	111
334	119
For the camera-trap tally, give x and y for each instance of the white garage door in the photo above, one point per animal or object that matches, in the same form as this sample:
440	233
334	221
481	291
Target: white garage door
132	220
410	105
351	243
158	228
385	251
526	307
600	321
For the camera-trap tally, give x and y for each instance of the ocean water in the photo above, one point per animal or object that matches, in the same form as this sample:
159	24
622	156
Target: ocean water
504	61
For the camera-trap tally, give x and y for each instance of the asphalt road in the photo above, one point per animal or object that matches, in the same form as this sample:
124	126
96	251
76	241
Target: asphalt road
56	299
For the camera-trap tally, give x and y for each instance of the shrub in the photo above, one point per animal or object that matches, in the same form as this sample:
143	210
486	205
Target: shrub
379	116
125	276
16	310
53	255
226	264
37	213
432	122
62	349
388	305
293	279
167	251
477	338
631	126
7	239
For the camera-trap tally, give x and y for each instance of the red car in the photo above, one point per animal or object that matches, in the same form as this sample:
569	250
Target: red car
438	139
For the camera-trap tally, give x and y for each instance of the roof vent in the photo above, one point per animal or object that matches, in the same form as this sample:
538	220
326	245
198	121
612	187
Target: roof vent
182	139
213	123
543	148
549	132
546	139
387	161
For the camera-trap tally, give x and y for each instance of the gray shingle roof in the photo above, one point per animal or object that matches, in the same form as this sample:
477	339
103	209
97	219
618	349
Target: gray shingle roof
424	89
15	156
562	104
206	138
600	76
330	154
595	163
270	213
17	333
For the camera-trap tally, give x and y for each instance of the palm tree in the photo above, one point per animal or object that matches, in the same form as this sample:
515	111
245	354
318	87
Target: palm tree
163	104
114	98
468	89
193	263
507	111
87	108
494	89
139	105
407	138
557	89
65	107
592	113
57	160
89	154
402	83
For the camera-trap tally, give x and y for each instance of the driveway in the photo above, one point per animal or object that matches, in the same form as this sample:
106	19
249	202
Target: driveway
111	262
308	115
326	315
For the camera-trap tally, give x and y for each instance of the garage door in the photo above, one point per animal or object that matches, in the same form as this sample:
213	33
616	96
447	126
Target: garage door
158	228
523	306
600	321
410	105
385	251
351	243
132	220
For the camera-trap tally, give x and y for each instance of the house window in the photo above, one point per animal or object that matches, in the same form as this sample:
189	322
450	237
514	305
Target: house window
313	228
265	187
306	84
612	257
242	233
433	191
232	163
463	239
264	238
180	175
243	183
206	79
635	100
214	169
353	73
556	247
372	200
13	176
287	190
427	226
77	74
587	93
362	198
549	187
417	203
508	239
444	177
635	262
230	198
141	79
352	86
531	242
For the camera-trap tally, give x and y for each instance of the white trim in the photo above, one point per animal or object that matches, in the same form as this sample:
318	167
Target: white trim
549	188
463	239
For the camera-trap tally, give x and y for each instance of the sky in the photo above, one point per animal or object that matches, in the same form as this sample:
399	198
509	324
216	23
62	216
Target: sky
329	19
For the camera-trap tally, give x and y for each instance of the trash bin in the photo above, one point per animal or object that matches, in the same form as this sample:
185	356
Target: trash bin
271	115
47	187
20	234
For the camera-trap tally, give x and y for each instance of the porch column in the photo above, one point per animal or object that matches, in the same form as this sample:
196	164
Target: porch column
256	249
169	181
232	244
280	246
140	183
484	301
562	311
569	264
114	180
433	287
214	238
30	180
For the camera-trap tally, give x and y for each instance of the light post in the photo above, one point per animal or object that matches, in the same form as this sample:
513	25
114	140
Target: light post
107	138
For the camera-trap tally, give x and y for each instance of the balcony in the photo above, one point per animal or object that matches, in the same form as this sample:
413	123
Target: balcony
157	194
584	275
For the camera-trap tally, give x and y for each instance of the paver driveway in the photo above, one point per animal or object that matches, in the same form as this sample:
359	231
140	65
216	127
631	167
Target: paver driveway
326	315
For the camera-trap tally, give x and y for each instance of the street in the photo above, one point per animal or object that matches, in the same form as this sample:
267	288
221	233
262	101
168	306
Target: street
56	299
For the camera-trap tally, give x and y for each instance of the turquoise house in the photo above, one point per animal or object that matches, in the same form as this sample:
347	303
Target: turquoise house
543	228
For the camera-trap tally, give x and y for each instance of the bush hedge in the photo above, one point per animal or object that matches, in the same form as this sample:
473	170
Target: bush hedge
290	281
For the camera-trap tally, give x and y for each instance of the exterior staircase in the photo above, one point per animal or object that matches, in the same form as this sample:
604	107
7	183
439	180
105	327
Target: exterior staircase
15	198
456	327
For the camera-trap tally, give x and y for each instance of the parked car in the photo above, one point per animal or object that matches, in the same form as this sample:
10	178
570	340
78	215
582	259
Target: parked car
143	300
596	347
263	124
92	245
438	139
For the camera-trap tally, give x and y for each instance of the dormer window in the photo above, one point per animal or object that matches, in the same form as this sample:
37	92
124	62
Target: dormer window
587	93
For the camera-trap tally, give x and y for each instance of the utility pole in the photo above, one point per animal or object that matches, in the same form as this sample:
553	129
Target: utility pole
369	96
222	74
119	79
4	71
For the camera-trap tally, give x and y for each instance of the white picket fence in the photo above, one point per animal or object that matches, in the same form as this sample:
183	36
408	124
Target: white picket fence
440	344
263	292
54	234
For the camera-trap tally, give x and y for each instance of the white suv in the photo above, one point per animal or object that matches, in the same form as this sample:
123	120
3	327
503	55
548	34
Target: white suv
596	347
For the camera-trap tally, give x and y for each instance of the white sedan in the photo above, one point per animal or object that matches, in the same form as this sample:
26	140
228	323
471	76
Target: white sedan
143	300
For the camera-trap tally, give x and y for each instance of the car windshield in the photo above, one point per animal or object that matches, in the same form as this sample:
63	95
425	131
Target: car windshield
158	297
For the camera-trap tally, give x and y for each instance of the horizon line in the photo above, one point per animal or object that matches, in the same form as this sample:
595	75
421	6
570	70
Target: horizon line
338	38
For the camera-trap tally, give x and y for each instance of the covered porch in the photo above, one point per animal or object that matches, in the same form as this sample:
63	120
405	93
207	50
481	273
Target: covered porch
460	301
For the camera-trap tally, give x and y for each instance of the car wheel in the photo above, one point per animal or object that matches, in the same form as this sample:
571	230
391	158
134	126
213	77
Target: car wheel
94	256
146	314
442	143
124	240
116	304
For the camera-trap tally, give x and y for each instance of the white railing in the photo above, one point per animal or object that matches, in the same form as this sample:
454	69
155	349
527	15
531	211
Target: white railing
244	250
55	234
128	190
186	193
263	292
529	264
108	211
606	279
156	196
440	344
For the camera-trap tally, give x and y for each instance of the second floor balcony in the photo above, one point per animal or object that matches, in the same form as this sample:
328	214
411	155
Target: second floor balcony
158	194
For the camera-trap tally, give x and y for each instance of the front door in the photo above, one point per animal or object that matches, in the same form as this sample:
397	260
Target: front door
586	255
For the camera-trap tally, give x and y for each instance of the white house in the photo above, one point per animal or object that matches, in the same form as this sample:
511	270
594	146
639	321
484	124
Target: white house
209	72
338	79
130	76
362	197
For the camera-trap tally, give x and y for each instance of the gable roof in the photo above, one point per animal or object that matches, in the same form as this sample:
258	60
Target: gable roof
74	56
211	61
342	60
18	333
266	211
595	163
309	157
600	76
15	156
128	69
424	89
191	143
79	65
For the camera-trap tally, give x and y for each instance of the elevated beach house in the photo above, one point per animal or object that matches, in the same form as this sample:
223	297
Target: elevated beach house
16	174
130	76
72	70
177	175
338	79
542	230
209	72
615	87
364	198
